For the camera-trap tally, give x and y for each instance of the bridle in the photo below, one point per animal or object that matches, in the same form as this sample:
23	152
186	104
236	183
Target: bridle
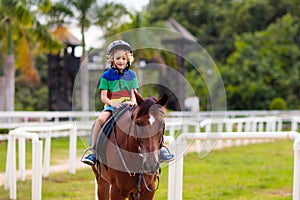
136	139
138	143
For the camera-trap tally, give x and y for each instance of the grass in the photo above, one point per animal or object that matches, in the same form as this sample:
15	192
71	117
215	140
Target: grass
4	130
259	171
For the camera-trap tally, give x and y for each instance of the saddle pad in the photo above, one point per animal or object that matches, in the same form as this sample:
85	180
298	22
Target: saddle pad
105	132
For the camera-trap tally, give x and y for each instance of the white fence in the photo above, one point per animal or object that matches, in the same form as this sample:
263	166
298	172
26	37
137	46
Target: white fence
175	181
248	124
14	119
10	181
246	129
295	123
35	133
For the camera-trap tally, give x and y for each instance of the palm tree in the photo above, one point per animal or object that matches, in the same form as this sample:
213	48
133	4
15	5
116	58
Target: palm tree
88	13
108	16
20	34
82	8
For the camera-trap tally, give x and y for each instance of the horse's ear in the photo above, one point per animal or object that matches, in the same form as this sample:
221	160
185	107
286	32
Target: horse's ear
139	98
163	100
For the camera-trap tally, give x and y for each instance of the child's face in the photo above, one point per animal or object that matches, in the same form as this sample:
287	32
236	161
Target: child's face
120	59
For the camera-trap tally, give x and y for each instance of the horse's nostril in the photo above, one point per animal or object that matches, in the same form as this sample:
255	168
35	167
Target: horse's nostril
146	167
151	167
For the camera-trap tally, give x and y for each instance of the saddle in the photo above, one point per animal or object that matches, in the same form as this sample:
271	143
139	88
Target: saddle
105	132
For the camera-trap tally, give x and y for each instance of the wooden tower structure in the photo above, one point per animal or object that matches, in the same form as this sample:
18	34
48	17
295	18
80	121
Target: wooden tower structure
62	70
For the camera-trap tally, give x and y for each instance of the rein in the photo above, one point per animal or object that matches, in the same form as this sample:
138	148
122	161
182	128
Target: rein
144	180
121	155
141	176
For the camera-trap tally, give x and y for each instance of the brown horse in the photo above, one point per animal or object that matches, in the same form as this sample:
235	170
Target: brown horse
128	163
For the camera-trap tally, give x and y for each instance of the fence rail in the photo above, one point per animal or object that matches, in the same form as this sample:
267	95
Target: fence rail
14	119
259	126
55	116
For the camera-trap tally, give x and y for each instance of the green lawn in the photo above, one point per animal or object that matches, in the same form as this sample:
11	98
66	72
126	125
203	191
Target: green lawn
256	172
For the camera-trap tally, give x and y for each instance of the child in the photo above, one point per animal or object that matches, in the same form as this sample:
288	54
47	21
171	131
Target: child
117	86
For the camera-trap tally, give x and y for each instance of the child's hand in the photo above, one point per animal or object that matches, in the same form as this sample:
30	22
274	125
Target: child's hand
116	104
131	103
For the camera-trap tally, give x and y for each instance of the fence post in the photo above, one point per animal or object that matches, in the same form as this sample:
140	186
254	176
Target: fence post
172	173
37	152
296	183
22	155
294	125
12	169
47	153
176	171
228	128
72	149
179	178
8	162
197	142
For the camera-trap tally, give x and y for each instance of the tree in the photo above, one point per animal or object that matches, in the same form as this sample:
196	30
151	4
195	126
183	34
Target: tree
59	15
264	66
86	13
82	10
215	23
108	16
239	37
21	33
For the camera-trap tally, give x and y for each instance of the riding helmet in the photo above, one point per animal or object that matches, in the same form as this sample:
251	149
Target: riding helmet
118	44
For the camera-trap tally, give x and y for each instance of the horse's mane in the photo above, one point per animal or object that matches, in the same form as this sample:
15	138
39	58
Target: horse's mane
144	108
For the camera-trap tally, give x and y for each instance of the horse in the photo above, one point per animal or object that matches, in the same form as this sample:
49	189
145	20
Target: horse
128	163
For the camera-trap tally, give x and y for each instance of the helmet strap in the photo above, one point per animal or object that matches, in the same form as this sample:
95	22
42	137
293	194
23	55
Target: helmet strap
127	65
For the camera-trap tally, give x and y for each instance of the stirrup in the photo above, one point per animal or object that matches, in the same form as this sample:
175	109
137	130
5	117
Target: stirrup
165	155
89	149
90	159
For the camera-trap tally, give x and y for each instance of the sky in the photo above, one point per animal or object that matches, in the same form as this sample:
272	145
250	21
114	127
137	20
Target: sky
136	5
93	34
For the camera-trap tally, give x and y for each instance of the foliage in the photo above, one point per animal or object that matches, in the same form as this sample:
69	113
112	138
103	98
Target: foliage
256	42
278	103
108	16
83	10
31	96
34	96
59	14
215	23
4	130
21	37
265	51
264	65
25	36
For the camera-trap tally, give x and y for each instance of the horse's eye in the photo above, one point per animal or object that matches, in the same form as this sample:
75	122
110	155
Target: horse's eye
139	123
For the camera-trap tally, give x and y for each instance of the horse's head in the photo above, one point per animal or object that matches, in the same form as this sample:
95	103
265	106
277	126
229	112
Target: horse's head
149	129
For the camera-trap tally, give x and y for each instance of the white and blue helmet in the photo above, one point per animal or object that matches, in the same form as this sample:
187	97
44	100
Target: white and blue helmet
118	44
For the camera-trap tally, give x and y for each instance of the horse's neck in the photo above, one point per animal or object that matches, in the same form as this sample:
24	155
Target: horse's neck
127	142
126	135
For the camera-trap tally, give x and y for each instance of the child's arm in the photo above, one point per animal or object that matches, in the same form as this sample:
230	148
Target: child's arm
132	101
108	101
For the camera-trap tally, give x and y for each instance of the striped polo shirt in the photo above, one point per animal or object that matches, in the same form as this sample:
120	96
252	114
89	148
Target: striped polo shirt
118	85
